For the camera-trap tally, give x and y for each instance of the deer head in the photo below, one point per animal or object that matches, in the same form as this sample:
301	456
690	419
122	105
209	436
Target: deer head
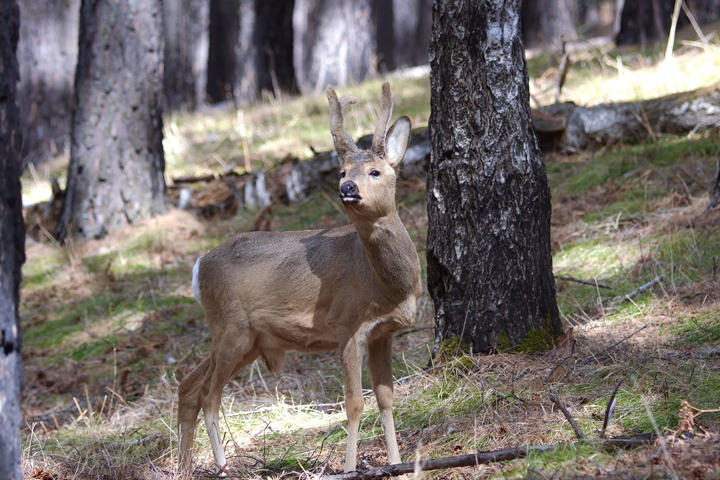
367	178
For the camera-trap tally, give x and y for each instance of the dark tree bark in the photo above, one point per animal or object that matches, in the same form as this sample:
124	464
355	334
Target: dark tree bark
274	32
251	50
116	167
12	245
47	54
715	194
488	253
543	21
264	52
186	52
383	17
705	11
642	21
223	38
334	43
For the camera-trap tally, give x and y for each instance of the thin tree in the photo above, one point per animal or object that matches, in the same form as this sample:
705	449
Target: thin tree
115	177
12	245
488	253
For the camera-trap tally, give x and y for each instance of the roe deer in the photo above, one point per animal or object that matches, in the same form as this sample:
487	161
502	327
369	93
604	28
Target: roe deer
264	293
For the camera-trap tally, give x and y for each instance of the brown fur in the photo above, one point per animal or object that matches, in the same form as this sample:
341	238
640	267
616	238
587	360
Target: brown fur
351	287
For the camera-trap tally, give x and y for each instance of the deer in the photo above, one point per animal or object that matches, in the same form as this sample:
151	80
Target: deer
348	288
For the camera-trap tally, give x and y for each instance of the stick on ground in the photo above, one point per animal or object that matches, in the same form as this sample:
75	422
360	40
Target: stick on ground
480	458
556	400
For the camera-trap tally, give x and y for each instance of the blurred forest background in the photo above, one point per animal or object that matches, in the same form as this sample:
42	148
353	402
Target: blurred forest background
231	114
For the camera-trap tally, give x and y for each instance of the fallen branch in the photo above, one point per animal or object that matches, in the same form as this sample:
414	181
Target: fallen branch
637	292
481	458
478	458
594	283
556	400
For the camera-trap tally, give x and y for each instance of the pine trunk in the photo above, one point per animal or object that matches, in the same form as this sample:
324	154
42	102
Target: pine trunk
12	245
47	54
644	21
186	52
334	43
412	21
223	38
115	177
488	254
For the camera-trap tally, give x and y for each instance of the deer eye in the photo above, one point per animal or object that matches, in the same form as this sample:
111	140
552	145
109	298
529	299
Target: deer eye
342	173
375	173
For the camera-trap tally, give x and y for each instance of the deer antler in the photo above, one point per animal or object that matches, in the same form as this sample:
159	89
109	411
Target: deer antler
343	142
378	143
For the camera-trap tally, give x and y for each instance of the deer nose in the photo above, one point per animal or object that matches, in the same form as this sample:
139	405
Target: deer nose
349	189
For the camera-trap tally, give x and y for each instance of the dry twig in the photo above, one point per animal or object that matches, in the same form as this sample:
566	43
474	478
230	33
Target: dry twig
481	458
612	401
556	400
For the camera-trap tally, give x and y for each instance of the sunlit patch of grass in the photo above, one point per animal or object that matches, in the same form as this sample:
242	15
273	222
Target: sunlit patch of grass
629	77
610	74
595	259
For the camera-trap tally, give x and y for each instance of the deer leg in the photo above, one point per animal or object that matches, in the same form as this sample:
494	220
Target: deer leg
189	402
380	369
351	360
229	354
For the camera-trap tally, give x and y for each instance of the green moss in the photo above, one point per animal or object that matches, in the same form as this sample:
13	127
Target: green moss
451	348
503	342
539	340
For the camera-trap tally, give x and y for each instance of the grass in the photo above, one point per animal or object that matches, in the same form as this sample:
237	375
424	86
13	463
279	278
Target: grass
112	324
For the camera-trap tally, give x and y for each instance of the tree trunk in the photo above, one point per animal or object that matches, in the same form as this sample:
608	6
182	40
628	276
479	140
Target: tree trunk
543	21
116	167
644	21
274	32
715	194
488	253
705	11
47	54
264	50
383	17
334	43
12	245
223	38
186	52
412	26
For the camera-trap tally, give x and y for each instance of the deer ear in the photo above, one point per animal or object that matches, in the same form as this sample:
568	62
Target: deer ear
397	140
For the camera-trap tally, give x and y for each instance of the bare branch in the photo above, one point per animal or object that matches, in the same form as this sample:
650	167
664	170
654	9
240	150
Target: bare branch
594	283
612	401
481	458
556	400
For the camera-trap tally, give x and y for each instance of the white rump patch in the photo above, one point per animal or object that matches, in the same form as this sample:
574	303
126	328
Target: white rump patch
195	281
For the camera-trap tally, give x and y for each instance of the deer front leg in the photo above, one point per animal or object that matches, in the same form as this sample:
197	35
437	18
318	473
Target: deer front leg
351	360
380	369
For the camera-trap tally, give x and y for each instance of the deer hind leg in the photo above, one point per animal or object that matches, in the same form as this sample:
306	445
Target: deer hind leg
380	369
351	360
189	403
229	354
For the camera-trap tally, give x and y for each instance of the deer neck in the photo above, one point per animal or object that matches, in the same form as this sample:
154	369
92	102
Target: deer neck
391	255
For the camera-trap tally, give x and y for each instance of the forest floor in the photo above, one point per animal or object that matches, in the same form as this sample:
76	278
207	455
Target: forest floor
110	326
